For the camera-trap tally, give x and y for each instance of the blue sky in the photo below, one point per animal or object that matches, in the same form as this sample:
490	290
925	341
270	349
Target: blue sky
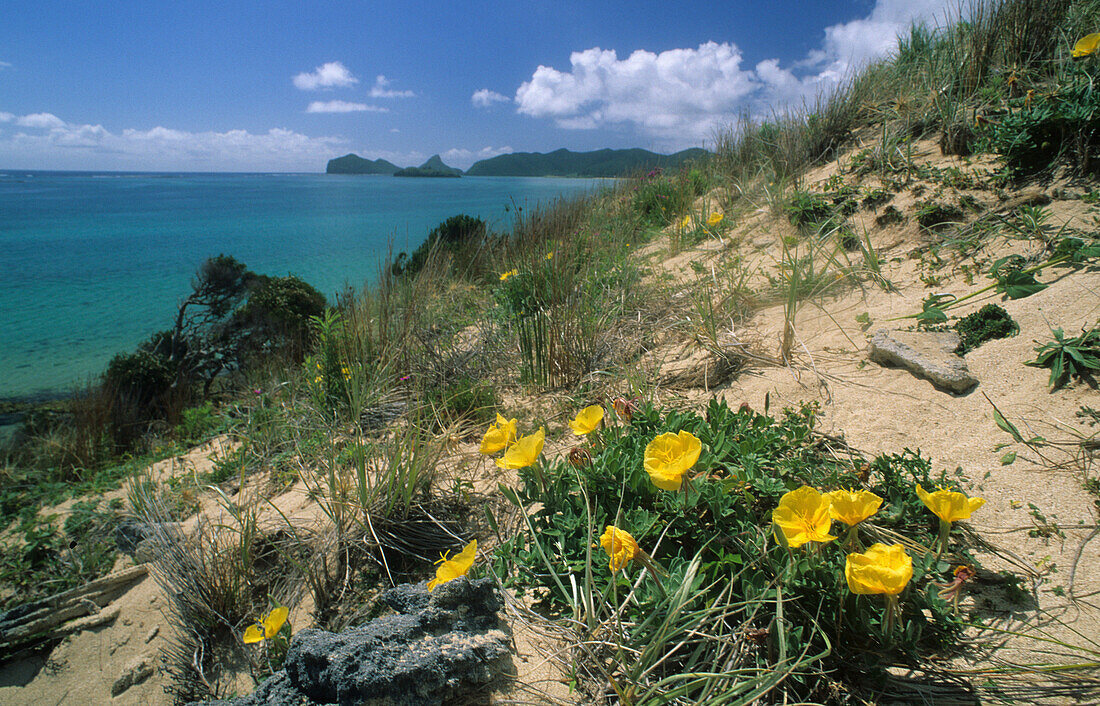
284	86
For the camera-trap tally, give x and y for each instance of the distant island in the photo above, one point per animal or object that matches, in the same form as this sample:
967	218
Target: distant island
564	163
434	167
354	164
559	163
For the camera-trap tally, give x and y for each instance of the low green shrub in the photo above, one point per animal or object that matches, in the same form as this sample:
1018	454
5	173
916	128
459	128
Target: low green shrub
1059	126
781	612
986	324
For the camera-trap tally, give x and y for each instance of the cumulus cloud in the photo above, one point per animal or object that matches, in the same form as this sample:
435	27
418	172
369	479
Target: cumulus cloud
463	158
40	120
485	98
330	75
379	90
48	142
343	107
679	97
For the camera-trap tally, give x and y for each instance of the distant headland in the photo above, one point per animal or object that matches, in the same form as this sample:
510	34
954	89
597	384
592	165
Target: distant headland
559	163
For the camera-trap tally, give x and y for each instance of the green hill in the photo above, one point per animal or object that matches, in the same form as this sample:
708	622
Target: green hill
564	163
354	164
434	167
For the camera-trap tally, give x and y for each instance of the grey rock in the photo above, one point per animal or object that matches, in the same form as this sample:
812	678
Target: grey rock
437	647
927	354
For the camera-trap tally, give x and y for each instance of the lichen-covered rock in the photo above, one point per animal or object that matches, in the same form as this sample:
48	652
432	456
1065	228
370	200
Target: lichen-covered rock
927	354
437	647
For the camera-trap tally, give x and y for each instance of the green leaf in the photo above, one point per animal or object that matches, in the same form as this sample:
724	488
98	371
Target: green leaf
510	495
1017	284
1007	425
1008	459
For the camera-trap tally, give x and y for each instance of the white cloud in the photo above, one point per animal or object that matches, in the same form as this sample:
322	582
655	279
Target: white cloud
463	158
4	65
330	75
379	90
6	117
343	107
40	120
51	143
485	98
680	96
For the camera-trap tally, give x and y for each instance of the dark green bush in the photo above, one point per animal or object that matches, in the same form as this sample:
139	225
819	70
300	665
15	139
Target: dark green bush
985	324
453	234
276	318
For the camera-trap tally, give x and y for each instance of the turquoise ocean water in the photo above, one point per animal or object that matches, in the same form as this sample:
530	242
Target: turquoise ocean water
92	263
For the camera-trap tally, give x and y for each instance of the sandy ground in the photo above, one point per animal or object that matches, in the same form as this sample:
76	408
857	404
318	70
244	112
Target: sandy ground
875	409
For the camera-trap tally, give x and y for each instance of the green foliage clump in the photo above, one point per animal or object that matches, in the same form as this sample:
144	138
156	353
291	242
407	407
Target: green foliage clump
40	558
715	539
1076	357
932	215
658	198
986	324
1054	127
452	235
807	210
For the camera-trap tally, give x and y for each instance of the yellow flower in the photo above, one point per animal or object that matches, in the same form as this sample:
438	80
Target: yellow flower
524	452
619	545
714	219
880	569
318	379
852	506
501	435
948	505
550	255
669	456
451	569
268	627
803	516
1086	45
510	273
587	420
346	372
685	221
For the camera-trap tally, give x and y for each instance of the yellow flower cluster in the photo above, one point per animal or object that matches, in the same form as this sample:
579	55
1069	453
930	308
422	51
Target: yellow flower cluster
510	273
519	452
805	515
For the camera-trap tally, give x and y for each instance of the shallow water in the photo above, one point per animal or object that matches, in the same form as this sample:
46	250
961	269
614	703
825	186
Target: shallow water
95	262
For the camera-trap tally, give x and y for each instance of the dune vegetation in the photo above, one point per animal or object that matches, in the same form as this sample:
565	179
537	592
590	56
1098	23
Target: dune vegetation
652	409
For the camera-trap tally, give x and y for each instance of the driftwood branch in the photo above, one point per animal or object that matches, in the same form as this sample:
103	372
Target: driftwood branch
65	613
